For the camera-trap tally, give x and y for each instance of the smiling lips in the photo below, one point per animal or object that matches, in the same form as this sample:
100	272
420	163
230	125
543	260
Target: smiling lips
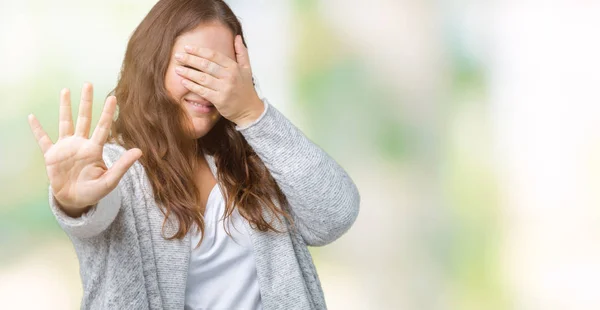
201	107
197	103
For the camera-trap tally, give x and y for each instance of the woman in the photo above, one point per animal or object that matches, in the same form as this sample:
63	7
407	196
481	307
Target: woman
219	210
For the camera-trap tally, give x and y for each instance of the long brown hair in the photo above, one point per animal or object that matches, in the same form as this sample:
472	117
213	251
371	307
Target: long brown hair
149	119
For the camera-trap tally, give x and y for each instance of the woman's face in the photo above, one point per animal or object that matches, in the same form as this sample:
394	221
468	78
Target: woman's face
213	35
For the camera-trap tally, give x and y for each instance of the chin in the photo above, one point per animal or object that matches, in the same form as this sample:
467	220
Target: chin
203	126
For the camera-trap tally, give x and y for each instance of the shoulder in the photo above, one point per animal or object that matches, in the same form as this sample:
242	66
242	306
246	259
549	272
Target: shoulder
136	177
113	151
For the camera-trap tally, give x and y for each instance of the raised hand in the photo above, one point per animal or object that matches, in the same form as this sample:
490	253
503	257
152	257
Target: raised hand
78	175
225	82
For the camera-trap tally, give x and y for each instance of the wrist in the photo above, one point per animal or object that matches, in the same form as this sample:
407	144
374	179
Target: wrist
73	211
256	110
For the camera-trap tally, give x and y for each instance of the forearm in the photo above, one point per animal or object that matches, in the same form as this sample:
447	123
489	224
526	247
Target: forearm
323	198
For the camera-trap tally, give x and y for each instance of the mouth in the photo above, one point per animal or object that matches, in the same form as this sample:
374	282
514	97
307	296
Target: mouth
198	103
200	107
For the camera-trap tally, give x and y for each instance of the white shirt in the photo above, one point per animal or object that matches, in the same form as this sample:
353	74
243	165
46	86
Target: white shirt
222	271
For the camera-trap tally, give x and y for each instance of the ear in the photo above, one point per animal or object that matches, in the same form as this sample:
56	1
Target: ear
241	52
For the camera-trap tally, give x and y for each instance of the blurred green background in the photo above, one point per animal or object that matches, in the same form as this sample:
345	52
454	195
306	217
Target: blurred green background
470	127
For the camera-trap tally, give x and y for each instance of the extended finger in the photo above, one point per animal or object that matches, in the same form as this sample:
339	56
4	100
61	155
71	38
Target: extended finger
103	127
65	120
40	135
201	78
202	91
201	64
118	169
241	52
84	118
212	55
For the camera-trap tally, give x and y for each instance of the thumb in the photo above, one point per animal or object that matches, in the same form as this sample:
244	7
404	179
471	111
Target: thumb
241	52
118	169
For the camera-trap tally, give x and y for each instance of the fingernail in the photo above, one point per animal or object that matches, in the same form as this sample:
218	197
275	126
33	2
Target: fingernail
178	56
179	69
188	48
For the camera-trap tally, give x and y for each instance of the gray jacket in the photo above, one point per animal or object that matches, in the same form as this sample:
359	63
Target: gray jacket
125	263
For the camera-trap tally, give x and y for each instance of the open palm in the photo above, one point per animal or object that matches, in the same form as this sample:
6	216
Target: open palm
78	175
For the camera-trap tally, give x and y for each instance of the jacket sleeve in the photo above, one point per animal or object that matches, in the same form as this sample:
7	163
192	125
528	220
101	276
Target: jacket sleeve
324	201
101	215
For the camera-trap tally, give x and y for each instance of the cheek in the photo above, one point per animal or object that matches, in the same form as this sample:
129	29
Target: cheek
174	86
